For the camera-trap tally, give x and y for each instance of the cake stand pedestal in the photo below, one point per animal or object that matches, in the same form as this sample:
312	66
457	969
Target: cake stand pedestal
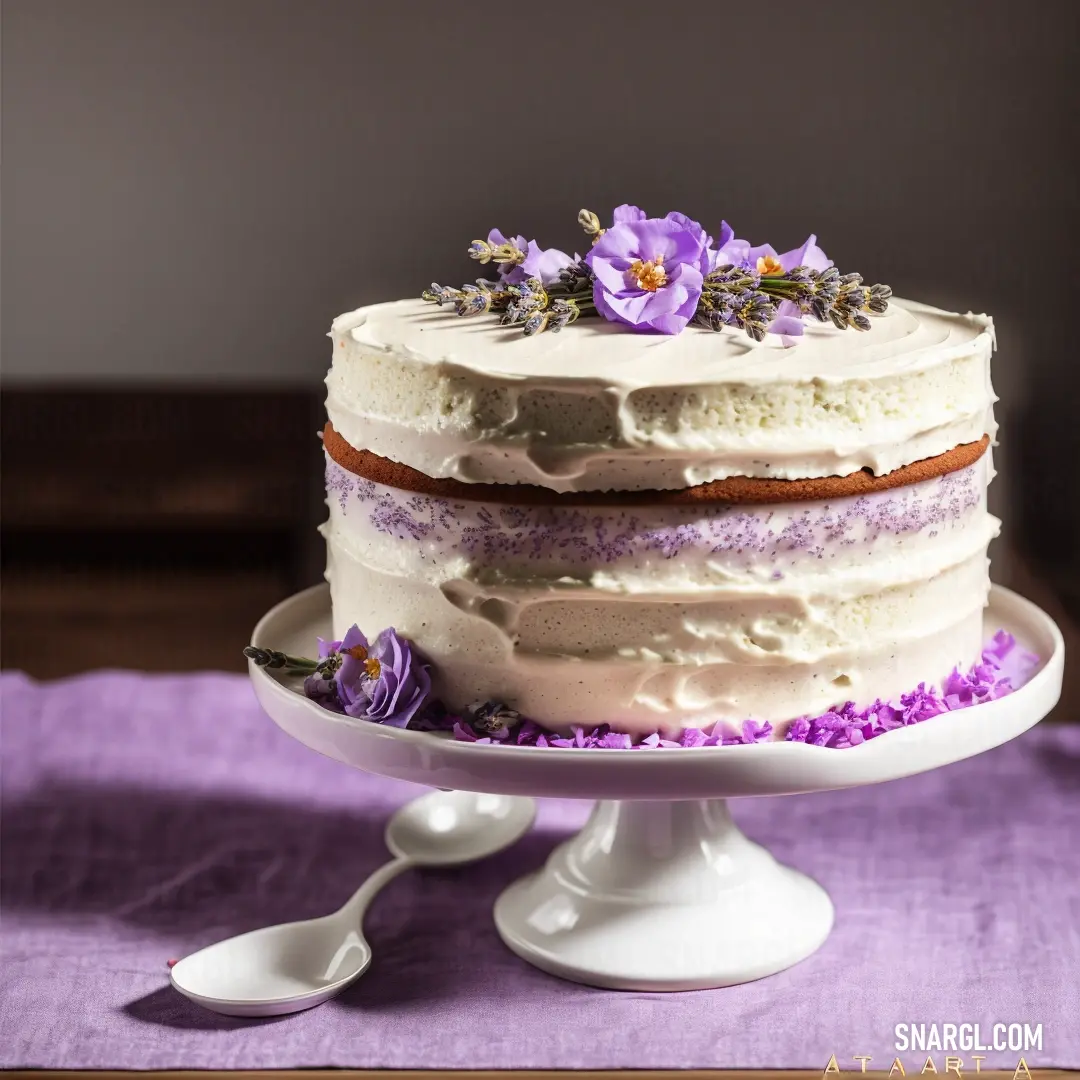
663	896
660	890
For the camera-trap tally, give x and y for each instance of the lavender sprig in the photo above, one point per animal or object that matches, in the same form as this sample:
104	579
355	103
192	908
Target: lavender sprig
577	277
292	665
829	296
476	299
733	296
508	253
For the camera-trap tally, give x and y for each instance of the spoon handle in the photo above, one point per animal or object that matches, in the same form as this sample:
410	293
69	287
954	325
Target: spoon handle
358	903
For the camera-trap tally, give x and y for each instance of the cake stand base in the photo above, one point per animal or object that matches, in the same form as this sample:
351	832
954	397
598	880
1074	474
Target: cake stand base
663	896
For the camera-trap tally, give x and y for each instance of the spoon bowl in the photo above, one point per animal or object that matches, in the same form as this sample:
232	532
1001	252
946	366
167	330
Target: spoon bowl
294	966
451	828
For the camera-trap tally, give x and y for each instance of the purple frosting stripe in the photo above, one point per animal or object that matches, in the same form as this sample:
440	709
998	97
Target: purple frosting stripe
574	536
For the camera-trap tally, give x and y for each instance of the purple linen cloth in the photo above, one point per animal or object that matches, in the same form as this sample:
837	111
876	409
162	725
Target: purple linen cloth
146	816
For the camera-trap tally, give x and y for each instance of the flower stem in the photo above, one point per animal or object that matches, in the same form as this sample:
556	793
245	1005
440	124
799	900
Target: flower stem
290	665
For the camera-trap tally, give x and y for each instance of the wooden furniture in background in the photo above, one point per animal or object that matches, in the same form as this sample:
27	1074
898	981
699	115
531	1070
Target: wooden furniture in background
150	529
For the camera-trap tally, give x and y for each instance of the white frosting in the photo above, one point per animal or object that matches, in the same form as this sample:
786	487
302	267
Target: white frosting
667	617
598	406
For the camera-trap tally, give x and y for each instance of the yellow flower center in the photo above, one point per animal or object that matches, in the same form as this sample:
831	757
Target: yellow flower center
373	668
650	275
357	652
769	266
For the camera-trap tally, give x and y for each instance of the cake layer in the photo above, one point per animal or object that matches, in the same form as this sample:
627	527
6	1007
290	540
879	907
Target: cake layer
733	489
600	408
669	616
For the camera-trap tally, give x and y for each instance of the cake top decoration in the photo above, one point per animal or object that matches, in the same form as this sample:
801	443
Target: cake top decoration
659	275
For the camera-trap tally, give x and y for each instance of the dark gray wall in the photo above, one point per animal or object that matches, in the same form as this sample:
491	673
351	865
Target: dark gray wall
193	189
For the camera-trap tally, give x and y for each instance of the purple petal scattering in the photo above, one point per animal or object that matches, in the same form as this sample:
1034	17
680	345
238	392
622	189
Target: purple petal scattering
1004	667
389	683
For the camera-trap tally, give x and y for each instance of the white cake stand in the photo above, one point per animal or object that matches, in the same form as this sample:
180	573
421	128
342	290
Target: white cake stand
660	890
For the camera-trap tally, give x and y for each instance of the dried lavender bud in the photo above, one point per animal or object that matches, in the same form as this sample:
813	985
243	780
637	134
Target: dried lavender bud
563	313
536	323
754	313
492	717
441	294
575	277
474	300
879	298
589	222
480	250
279	661
508	254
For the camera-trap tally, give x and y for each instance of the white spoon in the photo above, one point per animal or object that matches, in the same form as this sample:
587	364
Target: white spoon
294	966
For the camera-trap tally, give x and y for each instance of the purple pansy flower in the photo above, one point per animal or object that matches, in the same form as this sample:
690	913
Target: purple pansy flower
395	682
649	270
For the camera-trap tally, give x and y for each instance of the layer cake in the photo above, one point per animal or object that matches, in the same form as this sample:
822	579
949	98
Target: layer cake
662	531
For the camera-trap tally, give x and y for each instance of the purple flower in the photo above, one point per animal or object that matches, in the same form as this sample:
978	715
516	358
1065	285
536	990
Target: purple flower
353	649
627	213
808	255
394	682
649	270
542	263
327	648
788	322
728	250
763	259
